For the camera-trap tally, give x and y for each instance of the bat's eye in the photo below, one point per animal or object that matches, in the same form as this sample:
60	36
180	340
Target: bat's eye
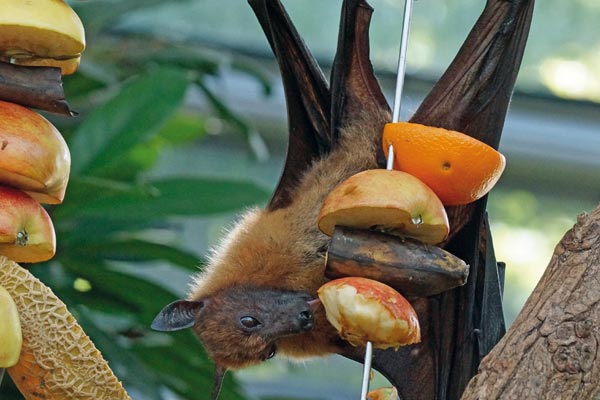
272	352
249	322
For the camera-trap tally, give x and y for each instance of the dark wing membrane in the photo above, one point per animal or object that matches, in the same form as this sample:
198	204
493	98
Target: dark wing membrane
354	88
307	97
473	94
472	97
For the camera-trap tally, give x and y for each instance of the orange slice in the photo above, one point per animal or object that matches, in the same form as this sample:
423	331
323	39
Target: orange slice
457	167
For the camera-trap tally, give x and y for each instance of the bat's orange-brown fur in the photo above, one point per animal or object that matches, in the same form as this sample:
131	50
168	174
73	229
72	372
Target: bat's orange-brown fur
284	249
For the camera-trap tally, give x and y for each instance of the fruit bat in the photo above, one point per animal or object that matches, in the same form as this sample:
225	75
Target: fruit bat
254	297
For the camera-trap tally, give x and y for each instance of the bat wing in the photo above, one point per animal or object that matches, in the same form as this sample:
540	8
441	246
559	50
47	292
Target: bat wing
307	96
315	114
354	88
472	96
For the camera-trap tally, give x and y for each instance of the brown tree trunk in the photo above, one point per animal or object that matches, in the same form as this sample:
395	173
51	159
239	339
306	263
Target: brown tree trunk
551	350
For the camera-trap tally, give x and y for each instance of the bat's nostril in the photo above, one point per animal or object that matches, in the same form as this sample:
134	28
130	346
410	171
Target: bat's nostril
306	320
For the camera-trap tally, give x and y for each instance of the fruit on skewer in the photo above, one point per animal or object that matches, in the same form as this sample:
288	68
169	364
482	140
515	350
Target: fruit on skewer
393	202
41	33
26	230
457	167
364	310
34	155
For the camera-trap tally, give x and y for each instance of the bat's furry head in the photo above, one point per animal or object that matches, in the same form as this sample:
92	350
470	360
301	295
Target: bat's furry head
240	326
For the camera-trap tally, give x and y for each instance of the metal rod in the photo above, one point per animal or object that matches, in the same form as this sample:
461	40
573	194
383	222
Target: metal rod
390	162
390	158
366	371
402	60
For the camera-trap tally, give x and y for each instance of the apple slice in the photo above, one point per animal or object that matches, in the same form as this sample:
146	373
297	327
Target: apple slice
393	202
33	154
26	230
41	32
388	393
363	310
11	338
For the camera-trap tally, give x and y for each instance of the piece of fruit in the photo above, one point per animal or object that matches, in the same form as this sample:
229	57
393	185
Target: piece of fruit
389	393
67	66
58	360
33	154
26	230
459	168
389	201
10	330
366	310
410	267
40	32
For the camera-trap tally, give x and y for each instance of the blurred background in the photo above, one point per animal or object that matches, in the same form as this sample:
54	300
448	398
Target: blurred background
182	124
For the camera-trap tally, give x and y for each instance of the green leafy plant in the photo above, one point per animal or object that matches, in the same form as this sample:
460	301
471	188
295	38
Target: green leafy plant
113	221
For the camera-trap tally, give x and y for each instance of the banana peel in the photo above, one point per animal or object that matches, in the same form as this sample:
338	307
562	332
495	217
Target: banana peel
58	360
412	268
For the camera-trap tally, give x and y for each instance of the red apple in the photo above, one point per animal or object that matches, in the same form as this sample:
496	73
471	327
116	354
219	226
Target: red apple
366	310
389	393
389	201
26	230
33	154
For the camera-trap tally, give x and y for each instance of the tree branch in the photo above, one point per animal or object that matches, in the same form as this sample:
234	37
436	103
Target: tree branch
551	350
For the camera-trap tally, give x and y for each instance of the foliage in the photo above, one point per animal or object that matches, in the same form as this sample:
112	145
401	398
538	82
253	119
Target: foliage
130	92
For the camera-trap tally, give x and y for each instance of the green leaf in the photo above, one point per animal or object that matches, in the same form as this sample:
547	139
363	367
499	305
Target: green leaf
169	197
145	299
136	250
224	111
139	111
195	380
185	127
72	232
126	365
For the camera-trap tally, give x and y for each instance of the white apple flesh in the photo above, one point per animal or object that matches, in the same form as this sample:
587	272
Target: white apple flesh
364	310
393	202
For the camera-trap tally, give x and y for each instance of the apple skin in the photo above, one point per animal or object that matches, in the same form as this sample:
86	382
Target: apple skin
11	337
393	202
389	393
364	310
34	156
47	28
26	230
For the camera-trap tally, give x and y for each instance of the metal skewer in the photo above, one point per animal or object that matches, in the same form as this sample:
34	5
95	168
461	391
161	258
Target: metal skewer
390	161
402	60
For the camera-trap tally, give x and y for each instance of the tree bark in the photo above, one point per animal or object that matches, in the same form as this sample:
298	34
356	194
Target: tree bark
551	350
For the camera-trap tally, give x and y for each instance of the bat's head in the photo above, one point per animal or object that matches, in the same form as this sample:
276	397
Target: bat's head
240	326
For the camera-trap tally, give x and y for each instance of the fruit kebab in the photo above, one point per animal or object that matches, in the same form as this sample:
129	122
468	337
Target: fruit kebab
408	5
368	312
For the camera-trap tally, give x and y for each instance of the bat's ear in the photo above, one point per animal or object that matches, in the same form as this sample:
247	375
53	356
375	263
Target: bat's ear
178	315
218	381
